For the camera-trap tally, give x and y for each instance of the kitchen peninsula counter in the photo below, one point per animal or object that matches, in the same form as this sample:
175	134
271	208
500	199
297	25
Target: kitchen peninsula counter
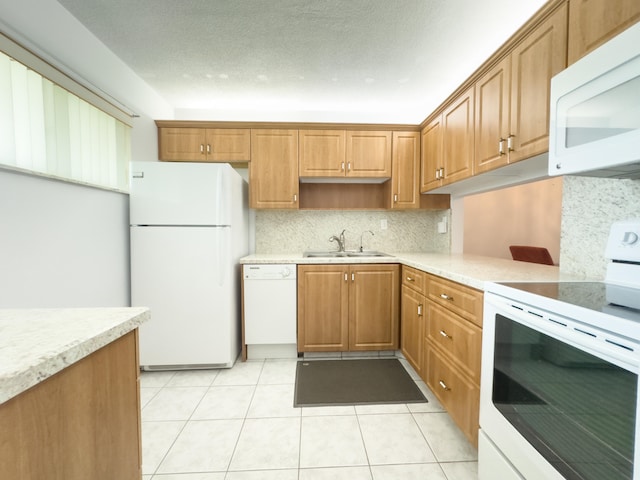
470	270
69	393
38	343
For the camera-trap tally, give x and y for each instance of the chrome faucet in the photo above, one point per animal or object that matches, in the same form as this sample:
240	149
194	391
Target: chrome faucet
339	239
366	231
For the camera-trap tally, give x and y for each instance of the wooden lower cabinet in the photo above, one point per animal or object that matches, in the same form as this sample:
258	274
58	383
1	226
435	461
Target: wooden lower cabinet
441	337
458	338
412	322
348	307
323	308
459	395
81	423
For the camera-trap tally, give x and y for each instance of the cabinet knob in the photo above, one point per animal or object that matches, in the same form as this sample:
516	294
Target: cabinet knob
295	198
510	142
348	166
395	197
501	147
208	148
342	166
420	310
201	148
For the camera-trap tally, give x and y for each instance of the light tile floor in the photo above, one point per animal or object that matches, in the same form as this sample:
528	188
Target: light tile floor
239	424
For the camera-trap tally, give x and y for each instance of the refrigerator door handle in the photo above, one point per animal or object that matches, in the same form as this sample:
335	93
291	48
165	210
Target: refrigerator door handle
223	246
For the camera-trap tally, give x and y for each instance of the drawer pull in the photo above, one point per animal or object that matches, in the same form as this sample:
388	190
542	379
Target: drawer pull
444	296
444	385
446	335
409	279
420	310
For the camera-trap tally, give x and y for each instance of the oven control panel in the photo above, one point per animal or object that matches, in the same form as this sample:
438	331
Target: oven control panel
624	241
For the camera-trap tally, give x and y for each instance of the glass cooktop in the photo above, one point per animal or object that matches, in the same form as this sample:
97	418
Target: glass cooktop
598	296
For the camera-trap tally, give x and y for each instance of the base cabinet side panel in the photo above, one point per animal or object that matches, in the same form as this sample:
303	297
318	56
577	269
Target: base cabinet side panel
82	423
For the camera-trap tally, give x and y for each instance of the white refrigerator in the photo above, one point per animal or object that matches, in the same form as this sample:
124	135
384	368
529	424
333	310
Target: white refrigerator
189	227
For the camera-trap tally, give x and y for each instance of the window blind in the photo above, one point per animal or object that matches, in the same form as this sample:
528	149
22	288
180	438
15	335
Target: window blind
48	130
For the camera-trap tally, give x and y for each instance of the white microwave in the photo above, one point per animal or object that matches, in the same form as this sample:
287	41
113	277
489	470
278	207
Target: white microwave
594	127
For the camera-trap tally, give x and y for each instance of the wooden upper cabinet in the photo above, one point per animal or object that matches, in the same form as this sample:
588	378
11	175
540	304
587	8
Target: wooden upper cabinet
405	160
431	158
493	97
512	98
273	170
593	22
340	153
368	154
457	138
540	56
322	153
204	144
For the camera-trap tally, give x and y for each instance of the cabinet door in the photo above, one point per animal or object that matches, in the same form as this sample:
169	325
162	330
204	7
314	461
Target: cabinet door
322	153
457	138
492	117
368	154
273	170
431	160
374	293
457	394
460	339
411	324
540	56
593	22
462	300
182	144
405	170
228	145
323	308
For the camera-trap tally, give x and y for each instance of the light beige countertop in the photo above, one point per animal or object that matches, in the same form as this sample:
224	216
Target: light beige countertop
37	343
471	270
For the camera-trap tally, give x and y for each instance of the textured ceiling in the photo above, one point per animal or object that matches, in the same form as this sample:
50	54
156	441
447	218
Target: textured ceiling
326	60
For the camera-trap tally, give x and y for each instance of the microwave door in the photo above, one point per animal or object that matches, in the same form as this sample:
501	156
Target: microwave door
600	118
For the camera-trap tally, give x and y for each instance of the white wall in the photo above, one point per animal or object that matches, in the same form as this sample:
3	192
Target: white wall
527	214
63	244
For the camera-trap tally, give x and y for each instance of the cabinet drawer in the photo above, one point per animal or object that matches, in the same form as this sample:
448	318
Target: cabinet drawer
457	337
464	301
414	279
459	396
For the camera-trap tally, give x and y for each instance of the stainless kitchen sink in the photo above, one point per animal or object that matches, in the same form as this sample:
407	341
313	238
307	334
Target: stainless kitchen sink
348	253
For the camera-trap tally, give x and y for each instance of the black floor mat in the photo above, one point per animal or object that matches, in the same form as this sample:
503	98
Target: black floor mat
354	382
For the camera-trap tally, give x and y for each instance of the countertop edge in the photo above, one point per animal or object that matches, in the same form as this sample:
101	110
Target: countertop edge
20	380
474	271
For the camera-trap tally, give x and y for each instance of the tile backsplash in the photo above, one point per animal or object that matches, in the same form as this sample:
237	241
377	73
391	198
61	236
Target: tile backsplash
299	230
589	208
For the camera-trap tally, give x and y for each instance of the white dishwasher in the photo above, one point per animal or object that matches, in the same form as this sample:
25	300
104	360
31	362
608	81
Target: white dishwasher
270	310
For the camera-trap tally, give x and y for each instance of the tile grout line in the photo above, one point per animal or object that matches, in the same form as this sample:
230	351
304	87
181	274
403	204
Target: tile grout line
244	420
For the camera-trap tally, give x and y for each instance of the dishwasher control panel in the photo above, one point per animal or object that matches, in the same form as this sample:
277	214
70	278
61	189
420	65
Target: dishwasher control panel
269	272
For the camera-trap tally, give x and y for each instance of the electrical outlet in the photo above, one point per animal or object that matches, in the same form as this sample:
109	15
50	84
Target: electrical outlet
383	224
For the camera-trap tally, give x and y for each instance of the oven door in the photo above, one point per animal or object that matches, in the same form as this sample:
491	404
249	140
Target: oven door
556	402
